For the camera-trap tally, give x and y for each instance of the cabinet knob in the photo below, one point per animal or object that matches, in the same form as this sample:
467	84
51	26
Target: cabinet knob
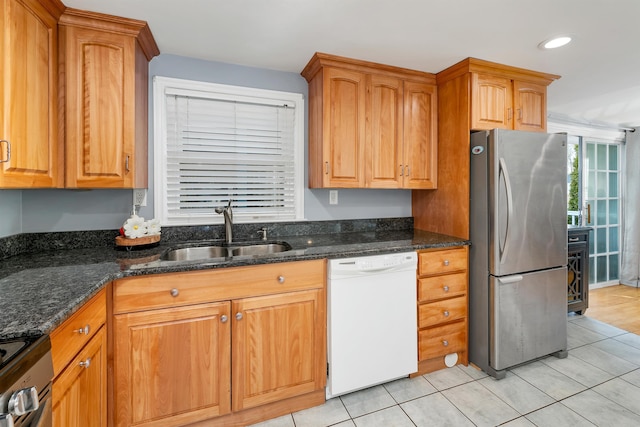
445	314
445	343
175	292
85	364
8	151
83	331
445	288
280	279
238	316
224	318
446	262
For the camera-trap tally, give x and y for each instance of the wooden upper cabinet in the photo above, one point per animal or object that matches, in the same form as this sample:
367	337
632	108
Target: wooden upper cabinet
29	94
530	103
370	125
104	79
420	136
507	97
343	129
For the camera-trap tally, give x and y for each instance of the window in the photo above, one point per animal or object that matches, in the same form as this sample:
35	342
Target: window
215	143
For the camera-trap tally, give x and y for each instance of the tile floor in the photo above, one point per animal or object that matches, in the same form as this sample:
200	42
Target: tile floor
598	384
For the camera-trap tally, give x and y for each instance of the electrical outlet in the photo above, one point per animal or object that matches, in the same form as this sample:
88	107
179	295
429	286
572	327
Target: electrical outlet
333	197
140	197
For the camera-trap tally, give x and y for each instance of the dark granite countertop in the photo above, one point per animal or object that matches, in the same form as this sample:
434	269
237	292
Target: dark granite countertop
39	290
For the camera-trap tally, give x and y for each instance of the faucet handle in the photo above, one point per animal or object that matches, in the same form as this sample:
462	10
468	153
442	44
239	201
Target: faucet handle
263	231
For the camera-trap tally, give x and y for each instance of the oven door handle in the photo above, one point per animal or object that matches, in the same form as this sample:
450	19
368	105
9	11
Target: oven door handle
43	416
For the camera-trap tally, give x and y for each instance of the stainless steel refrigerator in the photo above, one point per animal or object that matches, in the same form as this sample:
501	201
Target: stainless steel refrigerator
518	254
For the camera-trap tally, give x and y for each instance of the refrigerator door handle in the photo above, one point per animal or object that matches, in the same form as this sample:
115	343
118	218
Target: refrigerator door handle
507	184
510	279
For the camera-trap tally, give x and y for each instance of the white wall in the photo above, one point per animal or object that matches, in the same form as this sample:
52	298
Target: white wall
29	211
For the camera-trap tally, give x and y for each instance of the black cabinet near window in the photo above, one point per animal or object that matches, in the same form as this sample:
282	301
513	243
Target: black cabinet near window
578	270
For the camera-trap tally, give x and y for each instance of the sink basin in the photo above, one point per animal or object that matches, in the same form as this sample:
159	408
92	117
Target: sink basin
202	252
219	251
260	249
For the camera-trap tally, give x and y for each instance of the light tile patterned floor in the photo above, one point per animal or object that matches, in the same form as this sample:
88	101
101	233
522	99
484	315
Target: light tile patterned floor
597	385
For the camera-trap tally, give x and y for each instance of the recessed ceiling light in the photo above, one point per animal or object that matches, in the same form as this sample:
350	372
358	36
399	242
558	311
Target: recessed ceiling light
554	42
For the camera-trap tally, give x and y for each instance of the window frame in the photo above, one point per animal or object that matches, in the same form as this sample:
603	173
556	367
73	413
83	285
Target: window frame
168	85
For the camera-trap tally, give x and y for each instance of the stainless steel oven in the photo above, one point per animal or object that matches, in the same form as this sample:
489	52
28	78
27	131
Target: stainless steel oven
26	371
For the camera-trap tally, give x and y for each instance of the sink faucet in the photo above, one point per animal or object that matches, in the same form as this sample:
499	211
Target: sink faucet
228	221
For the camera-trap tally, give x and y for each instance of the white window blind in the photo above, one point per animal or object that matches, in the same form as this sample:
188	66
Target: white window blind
224	142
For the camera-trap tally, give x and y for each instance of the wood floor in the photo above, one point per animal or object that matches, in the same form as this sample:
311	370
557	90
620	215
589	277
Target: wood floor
617	305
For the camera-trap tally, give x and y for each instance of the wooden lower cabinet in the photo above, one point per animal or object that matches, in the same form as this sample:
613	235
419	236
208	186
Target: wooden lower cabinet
80	390
183	356
442	307
79	353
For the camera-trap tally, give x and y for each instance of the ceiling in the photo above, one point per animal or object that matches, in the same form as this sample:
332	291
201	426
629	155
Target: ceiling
600	69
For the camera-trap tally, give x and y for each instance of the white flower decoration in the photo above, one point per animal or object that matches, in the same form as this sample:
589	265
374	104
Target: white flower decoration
135	227
153	226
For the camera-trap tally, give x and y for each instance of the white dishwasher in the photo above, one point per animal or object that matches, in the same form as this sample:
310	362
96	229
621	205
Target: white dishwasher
371	321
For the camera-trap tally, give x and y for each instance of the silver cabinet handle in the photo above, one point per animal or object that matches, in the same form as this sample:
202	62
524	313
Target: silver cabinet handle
238	316
126	163
83	331
446	262
574	239
326	168
224	318
445	314
85	364
280	279
445	343
445	288
8	151
401	170
408	170
175	292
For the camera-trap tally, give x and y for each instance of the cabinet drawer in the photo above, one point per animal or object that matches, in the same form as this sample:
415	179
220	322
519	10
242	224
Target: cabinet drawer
178	289
442	340
69	338
442	261
447	310
438	287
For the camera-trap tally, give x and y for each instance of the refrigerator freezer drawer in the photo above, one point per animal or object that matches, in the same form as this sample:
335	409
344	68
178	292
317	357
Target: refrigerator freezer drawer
528	316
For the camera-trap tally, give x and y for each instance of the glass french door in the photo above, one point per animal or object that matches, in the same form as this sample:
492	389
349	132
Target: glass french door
601	208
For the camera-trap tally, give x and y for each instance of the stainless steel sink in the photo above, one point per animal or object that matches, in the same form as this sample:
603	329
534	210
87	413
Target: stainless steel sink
202	252
219	251
260	249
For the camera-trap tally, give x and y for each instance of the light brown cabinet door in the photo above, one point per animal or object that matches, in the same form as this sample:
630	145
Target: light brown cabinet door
343	128
491	103
530	101
79	393
28	96
278	348
172	366
99	108
384	132
420	136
